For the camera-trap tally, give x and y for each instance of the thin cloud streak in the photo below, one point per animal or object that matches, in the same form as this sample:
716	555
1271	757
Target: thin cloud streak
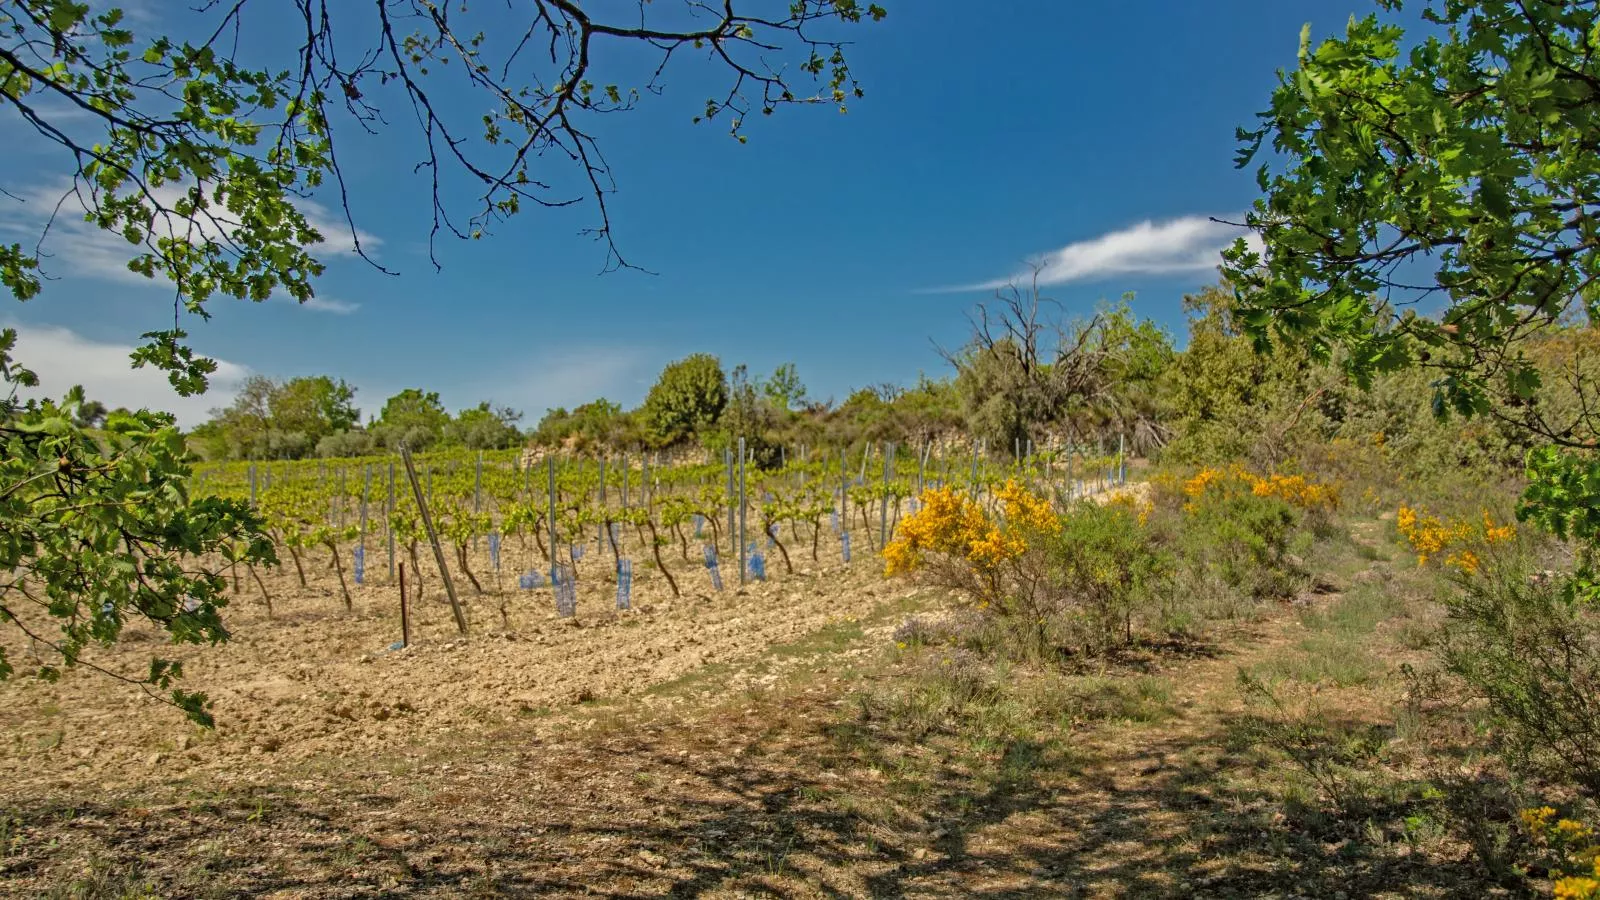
1176	246
328	305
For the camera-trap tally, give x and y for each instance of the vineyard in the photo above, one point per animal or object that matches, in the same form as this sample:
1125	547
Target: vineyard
547	534
363	640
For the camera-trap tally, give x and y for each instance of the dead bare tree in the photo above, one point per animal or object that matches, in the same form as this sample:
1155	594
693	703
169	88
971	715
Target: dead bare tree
1029	371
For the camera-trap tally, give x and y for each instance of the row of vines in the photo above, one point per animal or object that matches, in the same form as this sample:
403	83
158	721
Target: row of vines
501	520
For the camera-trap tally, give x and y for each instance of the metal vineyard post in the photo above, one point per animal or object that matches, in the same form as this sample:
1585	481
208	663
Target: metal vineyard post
388	522
883	502
742	574
733	537
550	463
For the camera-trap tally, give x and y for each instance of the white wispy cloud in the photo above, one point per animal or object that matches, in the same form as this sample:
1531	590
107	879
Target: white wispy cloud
74	247
328	305
62	358
1175	246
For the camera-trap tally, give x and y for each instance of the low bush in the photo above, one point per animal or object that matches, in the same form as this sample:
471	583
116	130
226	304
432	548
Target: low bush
1239	532
1047	582
1087	578
1101	568
1527	643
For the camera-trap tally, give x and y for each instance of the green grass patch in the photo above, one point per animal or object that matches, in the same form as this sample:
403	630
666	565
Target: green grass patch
835	638
1356	614
1322	658
691	680
1100	698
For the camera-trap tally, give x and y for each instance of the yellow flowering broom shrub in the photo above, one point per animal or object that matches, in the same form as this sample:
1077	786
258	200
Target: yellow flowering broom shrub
1299	491
1571	850
1237	526
952	539
1458	543
1057	580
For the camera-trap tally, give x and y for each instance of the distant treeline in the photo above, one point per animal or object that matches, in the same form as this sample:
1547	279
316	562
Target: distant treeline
1024	375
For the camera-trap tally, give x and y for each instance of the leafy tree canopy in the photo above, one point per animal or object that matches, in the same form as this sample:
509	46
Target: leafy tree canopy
484	428
270	419
686	400
1456	171
784	389
414	417
97	529
598	424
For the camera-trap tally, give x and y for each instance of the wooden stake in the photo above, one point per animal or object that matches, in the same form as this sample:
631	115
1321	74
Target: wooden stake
433	539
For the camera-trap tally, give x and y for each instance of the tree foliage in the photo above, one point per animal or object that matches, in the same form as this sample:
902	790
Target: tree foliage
784	390
749	415
1028	372
686	400
1455	170
412	417
598	424
1227	401
97	529
483	427
269	419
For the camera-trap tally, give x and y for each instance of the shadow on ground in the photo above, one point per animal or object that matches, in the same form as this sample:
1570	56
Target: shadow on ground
738	807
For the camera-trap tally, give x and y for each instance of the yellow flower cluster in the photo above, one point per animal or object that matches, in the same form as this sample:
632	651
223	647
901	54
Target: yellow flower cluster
1196	486
1496	534
1429	536
1576	887
948	523
1141	507
1295	489
1026	509
1575	843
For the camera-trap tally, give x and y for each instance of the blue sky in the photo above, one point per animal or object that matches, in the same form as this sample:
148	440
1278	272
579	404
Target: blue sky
1096	135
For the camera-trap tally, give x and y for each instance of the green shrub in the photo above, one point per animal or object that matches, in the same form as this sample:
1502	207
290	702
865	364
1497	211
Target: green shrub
686	400
1103	569
1243	539
1528	643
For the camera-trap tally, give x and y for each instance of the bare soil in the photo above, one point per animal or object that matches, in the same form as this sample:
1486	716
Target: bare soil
314	682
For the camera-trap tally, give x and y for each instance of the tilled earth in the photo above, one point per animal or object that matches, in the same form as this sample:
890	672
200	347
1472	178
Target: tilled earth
315	682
